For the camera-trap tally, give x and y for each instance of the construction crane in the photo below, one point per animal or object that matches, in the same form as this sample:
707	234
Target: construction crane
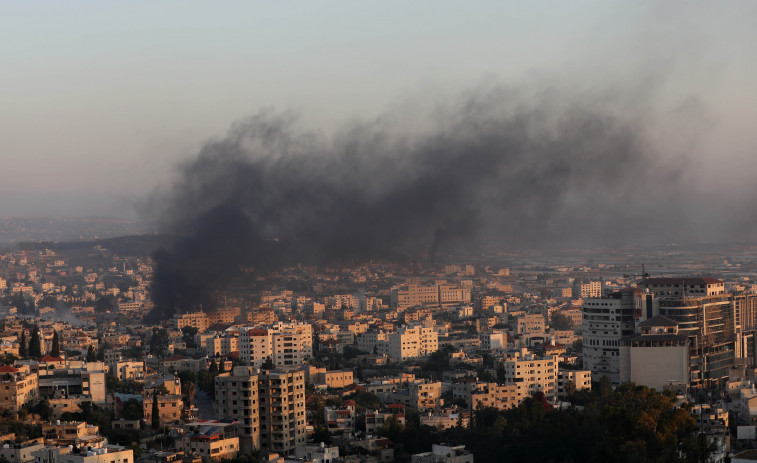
644	275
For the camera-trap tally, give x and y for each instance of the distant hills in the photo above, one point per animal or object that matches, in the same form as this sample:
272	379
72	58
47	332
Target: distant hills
125	246
14	230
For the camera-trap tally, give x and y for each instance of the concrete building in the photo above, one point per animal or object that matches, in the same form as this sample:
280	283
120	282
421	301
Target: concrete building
20	452
572	380
531	373
439	294
129	370
375	419
17	388
282	410
410	342
197	320
656	357
237	398
441	453
705	315
95	455
592	289
606	321
493	341
222	345
170	407
212	441
480	394
340	420
317	453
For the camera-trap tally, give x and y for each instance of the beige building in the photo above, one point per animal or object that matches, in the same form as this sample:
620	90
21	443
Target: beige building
410	342
129	370
531	373
236	397
17	388
320	377
170	407
222	345
197	320
286	344
95	455
20	452
282	410
212	441
577	380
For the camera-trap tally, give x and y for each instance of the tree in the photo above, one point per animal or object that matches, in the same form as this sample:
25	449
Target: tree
101	352
159	342
91	354
188	336
35	344
55	350
561	322
268	364
23	348
155	412
213	367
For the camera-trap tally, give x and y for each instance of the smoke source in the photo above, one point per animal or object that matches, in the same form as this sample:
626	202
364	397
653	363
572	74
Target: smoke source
492	167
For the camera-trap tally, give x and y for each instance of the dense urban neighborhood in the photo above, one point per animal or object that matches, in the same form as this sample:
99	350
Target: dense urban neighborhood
501	357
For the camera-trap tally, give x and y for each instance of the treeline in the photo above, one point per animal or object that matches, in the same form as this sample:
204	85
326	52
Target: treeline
630	424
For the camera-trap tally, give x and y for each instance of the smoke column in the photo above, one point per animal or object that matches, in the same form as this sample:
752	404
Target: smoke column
492	167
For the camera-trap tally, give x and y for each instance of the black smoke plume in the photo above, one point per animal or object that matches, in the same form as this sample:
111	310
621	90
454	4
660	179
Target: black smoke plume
492	168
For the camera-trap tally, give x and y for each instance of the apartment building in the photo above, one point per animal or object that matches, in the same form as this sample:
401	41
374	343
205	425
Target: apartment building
18	387
286	344
197	320
605	321
282	410
410	342
222	345
340	420
531	373
572	380
493	341
439	294
170	407
237	398
212	441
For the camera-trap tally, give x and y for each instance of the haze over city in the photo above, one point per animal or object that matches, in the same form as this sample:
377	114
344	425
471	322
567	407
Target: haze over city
109	103
342	232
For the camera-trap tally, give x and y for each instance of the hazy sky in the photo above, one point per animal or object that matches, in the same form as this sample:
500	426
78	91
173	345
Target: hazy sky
100	100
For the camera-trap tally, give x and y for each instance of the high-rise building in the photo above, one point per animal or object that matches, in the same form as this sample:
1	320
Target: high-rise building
705	315
236	397
605	321
282	410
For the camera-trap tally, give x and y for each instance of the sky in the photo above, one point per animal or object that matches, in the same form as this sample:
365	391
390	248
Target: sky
101	101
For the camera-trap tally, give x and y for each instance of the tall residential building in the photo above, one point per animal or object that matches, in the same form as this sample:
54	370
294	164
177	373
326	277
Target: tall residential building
236	397
282	410
531	374
269	406
591	289
705	315
286	344
605	321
